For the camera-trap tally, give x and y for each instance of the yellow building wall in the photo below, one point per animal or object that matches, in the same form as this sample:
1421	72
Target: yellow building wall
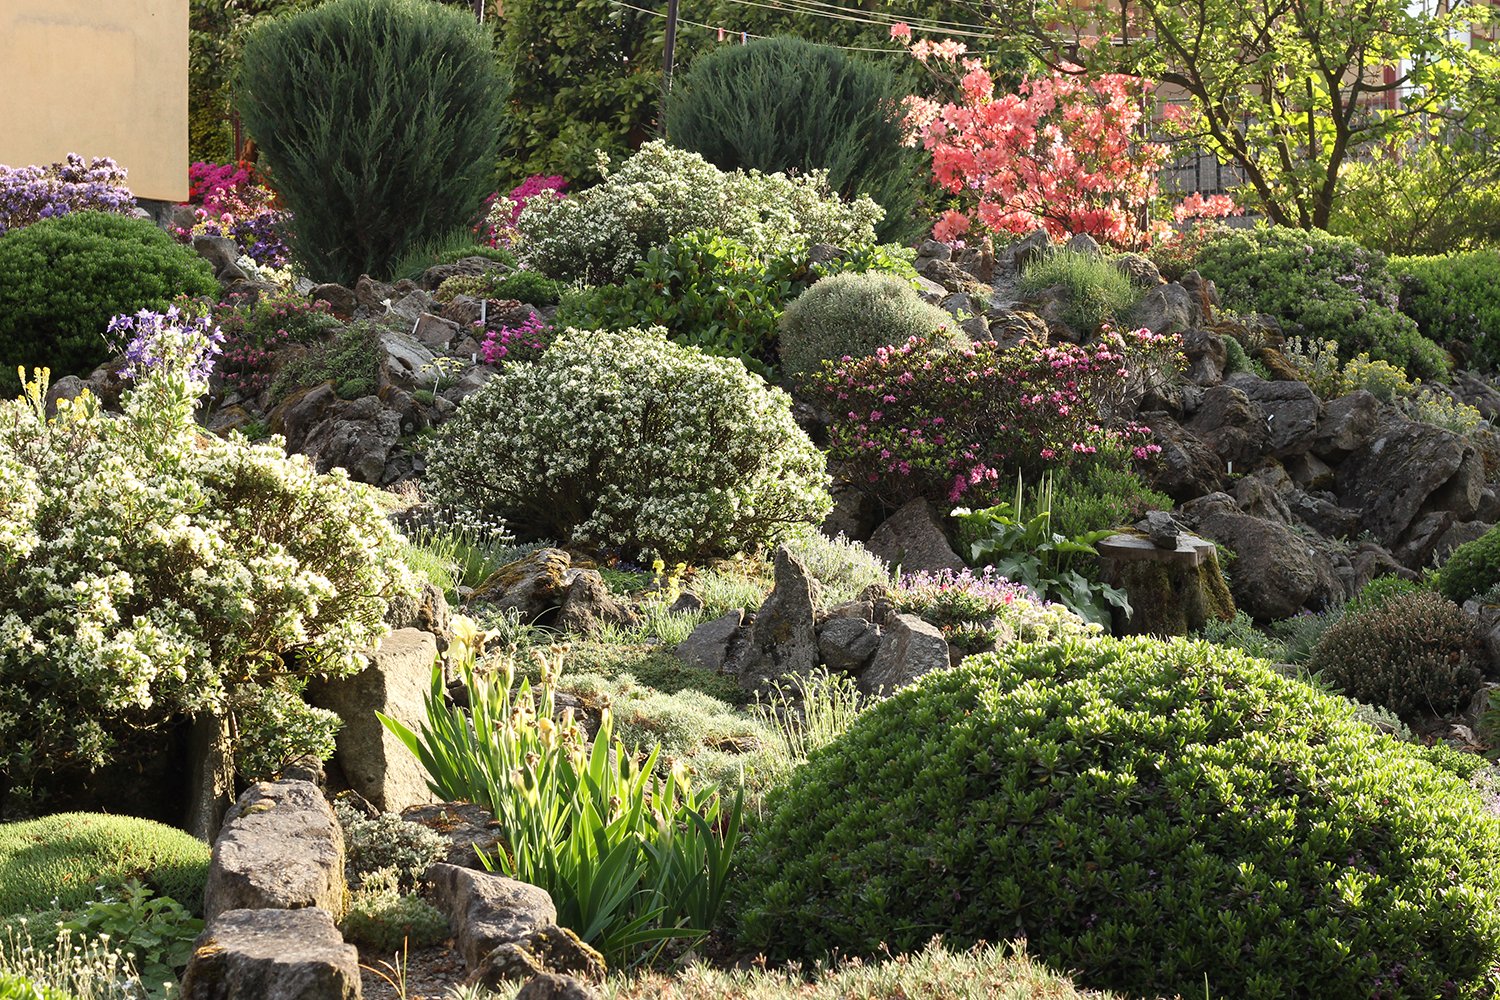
98	78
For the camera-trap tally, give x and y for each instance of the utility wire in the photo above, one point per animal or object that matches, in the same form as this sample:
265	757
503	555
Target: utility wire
836	12
900	50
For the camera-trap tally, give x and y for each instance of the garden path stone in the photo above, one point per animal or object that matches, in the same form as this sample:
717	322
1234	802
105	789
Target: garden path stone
710	645
272	955
783	639
281	848
909	649
376	764
486	911
913	539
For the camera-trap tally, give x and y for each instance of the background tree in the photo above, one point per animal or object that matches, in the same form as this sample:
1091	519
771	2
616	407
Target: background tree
1288	91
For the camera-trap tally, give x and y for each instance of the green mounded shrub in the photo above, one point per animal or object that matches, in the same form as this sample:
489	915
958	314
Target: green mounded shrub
1472	569
1148	814
350	361
523	286
387	849
1320	287
600	234
1096	291
853	316
625	439
380	120
794	106
66	277
1413	652
1434	198
60	861
390	923
1455	301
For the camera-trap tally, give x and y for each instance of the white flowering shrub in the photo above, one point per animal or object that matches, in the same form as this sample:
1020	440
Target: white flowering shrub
148	570
627	439
598	235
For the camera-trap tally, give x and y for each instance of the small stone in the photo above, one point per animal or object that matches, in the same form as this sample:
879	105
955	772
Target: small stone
709	645
910	648
551	987
486	911
272	955
280	848
846	644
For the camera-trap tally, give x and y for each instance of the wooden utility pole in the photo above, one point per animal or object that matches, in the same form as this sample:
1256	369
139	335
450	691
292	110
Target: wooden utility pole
670	49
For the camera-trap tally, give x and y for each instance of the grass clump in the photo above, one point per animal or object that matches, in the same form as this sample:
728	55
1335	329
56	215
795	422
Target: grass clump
1095	290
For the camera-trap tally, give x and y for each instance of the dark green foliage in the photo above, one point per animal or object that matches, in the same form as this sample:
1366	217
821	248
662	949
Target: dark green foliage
1473	568
1096	292
1456	302
65	278
784	104
1147	813
854	315
60	860
587	79
1415	653
351	361
1319	286
157	933
524	286
380	120
1101	495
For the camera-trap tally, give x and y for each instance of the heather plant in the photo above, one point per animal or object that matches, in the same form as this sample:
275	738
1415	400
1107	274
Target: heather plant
1413	653
30	194
600	234
625	439
924	419
66	276
516	344
255	333
1455	300
850	315
1150	813
147	571
1095	292
1319	287
789	105
407	108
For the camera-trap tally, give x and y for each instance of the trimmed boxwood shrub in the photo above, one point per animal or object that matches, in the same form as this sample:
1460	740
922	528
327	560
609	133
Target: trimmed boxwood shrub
66	277
1415	653
1473	568
59	862
1147	813
1456	301
1320	287
854	315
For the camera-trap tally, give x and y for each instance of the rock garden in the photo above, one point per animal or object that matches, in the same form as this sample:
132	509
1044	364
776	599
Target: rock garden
865	535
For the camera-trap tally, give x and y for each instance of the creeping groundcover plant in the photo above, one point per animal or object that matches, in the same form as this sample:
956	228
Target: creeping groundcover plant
148	570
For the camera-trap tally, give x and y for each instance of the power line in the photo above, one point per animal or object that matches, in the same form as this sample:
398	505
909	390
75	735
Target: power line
835	12
897	50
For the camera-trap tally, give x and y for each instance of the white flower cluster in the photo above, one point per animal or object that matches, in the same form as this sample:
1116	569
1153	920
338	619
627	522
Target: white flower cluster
146	570
627	439
598	235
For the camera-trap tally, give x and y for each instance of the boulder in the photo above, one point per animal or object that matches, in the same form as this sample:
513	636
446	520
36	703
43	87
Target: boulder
1019	255
783	640
222	254
711	645
847	643
534	586
1370	560
405	360
340	300
854	514
468	828
280	849
210	776
913	539
1187	467
550	950
1309	471
1009	326
354	435
272	955
1291	412
427	609
1391	479
1206	357
486	911
1168	308
588	604
1232	425
910	648
375	762
1276	572
434	332
1324	516
1140	270
1084	245
949	276
1347	425
552	987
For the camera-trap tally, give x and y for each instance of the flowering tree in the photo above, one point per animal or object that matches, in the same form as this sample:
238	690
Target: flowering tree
1063	152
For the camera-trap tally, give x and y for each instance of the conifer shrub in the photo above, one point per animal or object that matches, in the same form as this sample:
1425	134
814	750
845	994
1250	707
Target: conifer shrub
1414	653
794	106
65	277
1146	813
853	315
380	120
1472	569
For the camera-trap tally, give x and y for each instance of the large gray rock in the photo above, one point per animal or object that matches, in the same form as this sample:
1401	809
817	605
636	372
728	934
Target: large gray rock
909	649
1291	412
1391	479
486	911
1276	572
1348	424
1232	425
1168	308
1020	254
272	955
1187	467
913	539
280	849
552	949
710	645
588	604
1206	356
847	643
376	764
355	435
783	640
548	986
534	586
406	360
426	609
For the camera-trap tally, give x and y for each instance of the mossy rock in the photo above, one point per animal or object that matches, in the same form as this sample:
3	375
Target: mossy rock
58	862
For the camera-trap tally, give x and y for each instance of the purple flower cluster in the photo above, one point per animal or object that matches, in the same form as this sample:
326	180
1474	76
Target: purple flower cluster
166	342
987	584
30	194
234	205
